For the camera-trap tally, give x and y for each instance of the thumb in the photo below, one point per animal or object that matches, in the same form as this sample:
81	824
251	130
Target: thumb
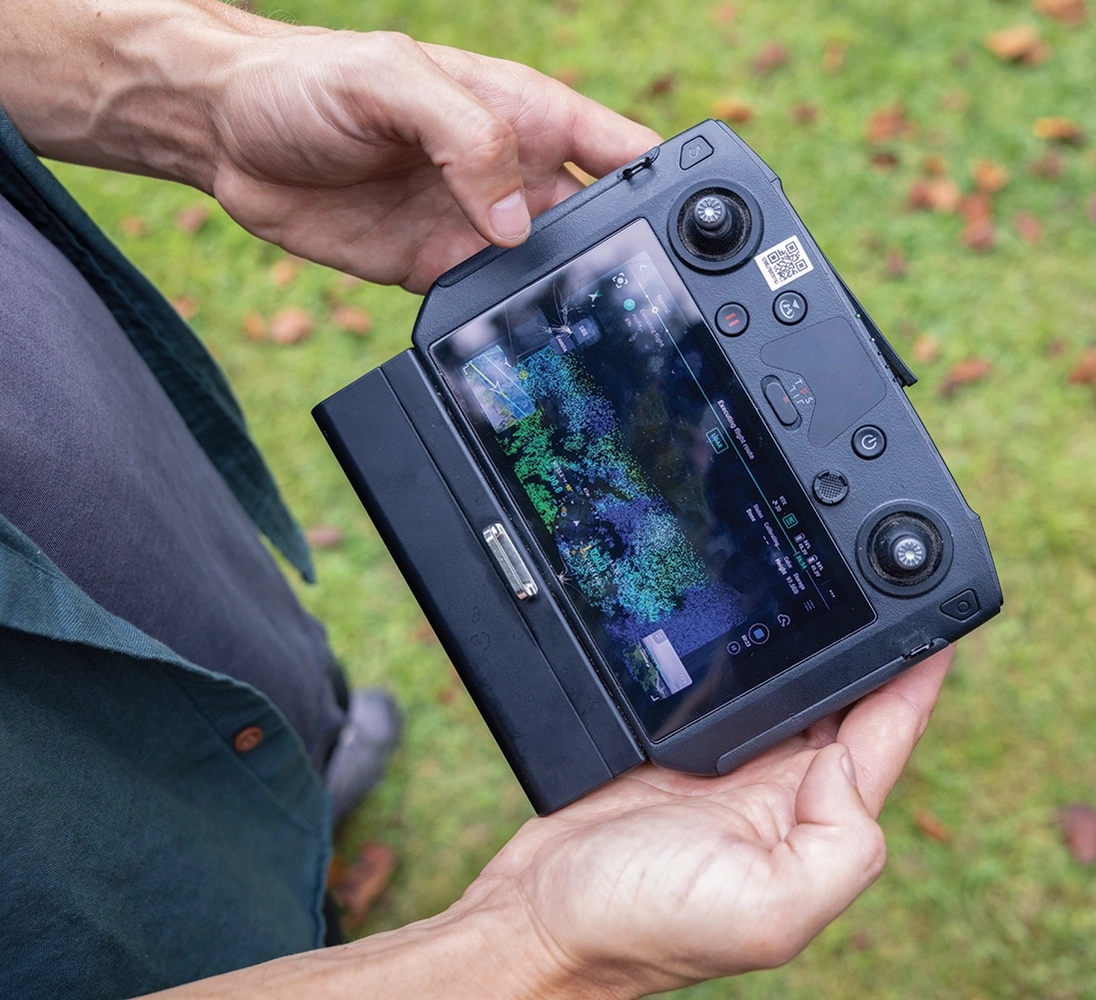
838	846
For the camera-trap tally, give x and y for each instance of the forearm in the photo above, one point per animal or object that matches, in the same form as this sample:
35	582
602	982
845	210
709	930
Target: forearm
470	952
125	84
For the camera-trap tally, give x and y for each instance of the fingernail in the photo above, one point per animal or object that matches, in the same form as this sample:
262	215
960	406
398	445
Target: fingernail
510	217
850	769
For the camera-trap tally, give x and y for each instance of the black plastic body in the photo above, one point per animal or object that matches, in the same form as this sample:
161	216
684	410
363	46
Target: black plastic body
414	462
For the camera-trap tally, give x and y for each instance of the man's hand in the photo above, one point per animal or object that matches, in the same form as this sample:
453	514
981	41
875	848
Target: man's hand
365	151
661	879
394	160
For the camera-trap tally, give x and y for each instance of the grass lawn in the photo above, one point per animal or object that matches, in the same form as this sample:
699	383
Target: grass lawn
852	104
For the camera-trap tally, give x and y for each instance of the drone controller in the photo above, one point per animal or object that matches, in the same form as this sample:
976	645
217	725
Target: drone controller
655	482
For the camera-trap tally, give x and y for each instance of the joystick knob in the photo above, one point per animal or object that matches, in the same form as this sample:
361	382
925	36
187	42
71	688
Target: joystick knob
905	548
710	213
714	225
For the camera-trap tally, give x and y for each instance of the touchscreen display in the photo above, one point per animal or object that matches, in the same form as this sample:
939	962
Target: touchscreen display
682	538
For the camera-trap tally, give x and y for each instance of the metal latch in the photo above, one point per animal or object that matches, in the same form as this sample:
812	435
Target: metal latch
512	565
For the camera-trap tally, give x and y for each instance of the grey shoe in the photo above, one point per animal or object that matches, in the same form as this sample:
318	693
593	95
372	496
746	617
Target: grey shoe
367	739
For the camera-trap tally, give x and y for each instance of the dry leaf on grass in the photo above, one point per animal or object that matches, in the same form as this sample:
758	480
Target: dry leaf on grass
192	218
771	57
964	373
290	325
185	306
938	194
976	207
284	271
1067	11
324	536
1054	129
1078	823
833	58
1084	372
1020	44
884	159
569	76
662	86
805	114
254	326
352	320
988	176
896	264
732	110
979	235
132	225
1029	227
925	349
1048	166
356	886
930	826
889	123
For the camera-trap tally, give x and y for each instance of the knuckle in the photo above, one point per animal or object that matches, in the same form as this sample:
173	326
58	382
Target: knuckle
490	141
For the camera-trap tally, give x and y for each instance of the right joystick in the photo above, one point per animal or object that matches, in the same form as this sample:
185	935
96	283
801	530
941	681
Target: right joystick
905	549
715	227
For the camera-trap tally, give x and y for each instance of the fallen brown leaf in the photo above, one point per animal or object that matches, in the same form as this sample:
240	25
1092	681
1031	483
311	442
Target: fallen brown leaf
1020	44
805	114
935	166
290	325
925	349
1070	12
732	110
930	826
356	886
1029	227
884	159
352	320
976	207
324	536
132	225
833	57
1078	823
964	373
254	326
192	218
569	76
955	100
1057	347
861	940
661	86
937	194
185	306
889	123
1084	372
896	264
1057	130
771	57
284	271
988	176
725	13
979	235
1048	166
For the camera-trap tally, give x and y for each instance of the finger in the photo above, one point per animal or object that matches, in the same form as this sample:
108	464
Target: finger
475	148
882	729
604	140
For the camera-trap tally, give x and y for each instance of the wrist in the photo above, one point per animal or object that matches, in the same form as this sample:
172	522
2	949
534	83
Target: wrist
129	85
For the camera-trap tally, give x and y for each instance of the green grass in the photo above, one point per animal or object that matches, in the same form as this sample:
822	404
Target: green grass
1001	910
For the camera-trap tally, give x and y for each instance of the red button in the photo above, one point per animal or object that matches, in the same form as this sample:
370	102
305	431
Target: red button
732	319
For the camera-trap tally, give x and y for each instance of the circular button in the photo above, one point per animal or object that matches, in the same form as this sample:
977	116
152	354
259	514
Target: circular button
869	442
759	633
248	738
830	487
710	212
734	647
789	308
732	319
909	552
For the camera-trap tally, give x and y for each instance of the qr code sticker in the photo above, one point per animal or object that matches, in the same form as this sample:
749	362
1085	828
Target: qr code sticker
783	263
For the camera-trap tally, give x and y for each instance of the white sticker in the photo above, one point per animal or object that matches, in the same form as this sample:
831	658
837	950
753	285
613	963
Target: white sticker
783	263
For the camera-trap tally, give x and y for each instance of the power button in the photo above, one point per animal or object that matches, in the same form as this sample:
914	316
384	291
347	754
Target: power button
869	442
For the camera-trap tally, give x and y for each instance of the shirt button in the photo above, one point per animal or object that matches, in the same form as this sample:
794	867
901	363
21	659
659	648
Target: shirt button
248	738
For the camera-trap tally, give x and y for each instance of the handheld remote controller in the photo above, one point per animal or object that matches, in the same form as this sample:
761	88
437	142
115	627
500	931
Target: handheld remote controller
654	480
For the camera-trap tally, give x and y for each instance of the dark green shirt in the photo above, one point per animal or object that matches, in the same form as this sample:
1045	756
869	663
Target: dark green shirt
139	848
